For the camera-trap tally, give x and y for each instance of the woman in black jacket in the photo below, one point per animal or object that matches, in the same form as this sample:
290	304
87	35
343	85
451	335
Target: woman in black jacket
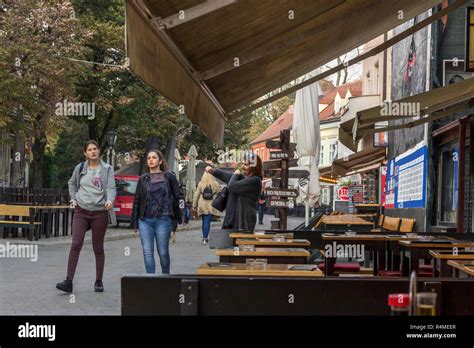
157	208
244	191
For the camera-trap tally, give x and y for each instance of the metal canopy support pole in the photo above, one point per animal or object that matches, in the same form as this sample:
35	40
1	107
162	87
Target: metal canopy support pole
461	172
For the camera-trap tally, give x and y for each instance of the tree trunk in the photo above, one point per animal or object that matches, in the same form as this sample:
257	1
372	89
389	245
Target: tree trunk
39	145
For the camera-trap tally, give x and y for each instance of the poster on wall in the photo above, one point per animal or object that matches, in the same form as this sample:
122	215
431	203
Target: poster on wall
383	183
406	179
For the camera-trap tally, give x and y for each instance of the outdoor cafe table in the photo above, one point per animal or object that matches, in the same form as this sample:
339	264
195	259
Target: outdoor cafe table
239	235
466	267
346	222
273	270
443	256
260	236
417	250
265	242
273	255
376	243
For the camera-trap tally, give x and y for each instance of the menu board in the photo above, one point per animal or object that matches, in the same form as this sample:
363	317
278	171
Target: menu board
406	179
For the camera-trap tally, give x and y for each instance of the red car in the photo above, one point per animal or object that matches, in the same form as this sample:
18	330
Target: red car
126	187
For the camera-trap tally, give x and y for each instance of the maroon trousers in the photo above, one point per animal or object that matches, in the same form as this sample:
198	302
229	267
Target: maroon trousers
82	221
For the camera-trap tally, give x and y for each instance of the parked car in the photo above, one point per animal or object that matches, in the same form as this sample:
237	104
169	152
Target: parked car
126	187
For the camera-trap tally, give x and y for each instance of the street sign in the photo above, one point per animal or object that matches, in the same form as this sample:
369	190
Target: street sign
293	174
281	155
280	192
343	193
279	203
276	164
275	144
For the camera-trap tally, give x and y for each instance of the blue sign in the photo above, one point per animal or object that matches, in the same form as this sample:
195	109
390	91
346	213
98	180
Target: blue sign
406	179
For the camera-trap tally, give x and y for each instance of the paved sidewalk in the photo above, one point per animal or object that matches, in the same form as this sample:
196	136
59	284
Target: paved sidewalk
28	288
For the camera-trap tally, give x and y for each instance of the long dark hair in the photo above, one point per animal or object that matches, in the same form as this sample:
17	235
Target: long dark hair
257	169
163	165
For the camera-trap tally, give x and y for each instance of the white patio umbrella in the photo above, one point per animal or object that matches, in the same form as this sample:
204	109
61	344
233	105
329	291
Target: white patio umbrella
177	158
191	174
306	134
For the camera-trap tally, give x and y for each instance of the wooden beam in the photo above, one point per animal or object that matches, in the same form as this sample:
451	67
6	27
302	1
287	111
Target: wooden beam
261	50
353	61
190	14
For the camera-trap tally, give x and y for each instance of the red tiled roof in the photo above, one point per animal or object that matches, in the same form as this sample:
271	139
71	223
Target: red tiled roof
327	112
285	121
354	87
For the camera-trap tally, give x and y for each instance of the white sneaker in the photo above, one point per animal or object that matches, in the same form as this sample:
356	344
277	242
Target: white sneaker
205	241
173	238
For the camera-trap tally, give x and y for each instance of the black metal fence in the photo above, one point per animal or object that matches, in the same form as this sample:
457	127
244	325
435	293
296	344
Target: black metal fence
33	196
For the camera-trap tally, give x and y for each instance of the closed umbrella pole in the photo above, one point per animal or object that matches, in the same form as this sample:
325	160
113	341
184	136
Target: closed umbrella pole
306	134
191	174
177	159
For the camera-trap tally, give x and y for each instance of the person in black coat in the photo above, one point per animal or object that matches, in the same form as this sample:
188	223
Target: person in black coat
244	191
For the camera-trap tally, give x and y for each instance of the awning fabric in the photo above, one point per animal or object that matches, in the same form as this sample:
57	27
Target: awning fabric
216	56
435	104
357	161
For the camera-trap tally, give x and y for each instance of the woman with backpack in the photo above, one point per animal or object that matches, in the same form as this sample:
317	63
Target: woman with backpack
206	191
157	208
243	192
92	190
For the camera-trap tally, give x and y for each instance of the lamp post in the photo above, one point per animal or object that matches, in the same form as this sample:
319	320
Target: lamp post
111	139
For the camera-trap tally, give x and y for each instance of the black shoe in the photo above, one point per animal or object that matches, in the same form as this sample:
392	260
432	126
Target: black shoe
65	286
98	286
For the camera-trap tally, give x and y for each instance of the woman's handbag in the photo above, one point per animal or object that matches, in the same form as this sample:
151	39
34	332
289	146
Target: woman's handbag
220	201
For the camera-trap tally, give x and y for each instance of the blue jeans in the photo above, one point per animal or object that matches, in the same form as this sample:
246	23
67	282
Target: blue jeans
160	229
261	213
206	224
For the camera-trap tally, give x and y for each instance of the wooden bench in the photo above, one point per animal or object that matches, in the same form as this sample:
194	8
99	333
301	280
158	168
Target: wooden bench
27	215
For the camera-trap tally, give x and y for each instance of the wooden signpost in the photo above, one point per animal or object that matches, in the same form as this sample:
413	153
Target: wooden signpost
280	167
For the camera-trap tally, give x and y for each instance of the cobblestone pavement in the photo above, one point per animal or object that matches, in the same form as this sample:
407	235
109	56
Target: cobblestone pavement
28	288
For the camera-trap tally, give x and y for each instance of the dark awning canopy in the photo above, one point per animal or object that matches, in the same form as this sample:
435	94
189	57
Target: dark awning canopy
432	105
217	56
370	158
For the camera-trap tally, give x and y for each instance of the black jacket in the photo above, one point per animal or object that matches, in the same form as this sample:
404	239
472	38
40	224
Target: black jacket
242	201
141	198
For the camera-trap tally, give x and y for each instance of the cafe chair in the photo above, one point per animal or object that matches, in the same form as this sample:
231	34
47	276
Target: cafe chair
407	225
379	224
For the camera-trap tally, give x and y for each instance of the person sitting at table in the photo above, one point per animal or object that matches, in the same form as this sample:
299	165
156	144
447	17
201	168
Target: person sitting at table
206	191
92	190
244	190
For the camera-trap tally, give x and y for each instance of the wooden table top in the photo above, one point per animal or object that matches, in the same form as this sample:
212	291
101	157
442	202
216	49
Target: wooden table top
464	266
454	243
262	252
448	255
362	237
40	206
344	220
260	236
367	205
241	269
269	242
